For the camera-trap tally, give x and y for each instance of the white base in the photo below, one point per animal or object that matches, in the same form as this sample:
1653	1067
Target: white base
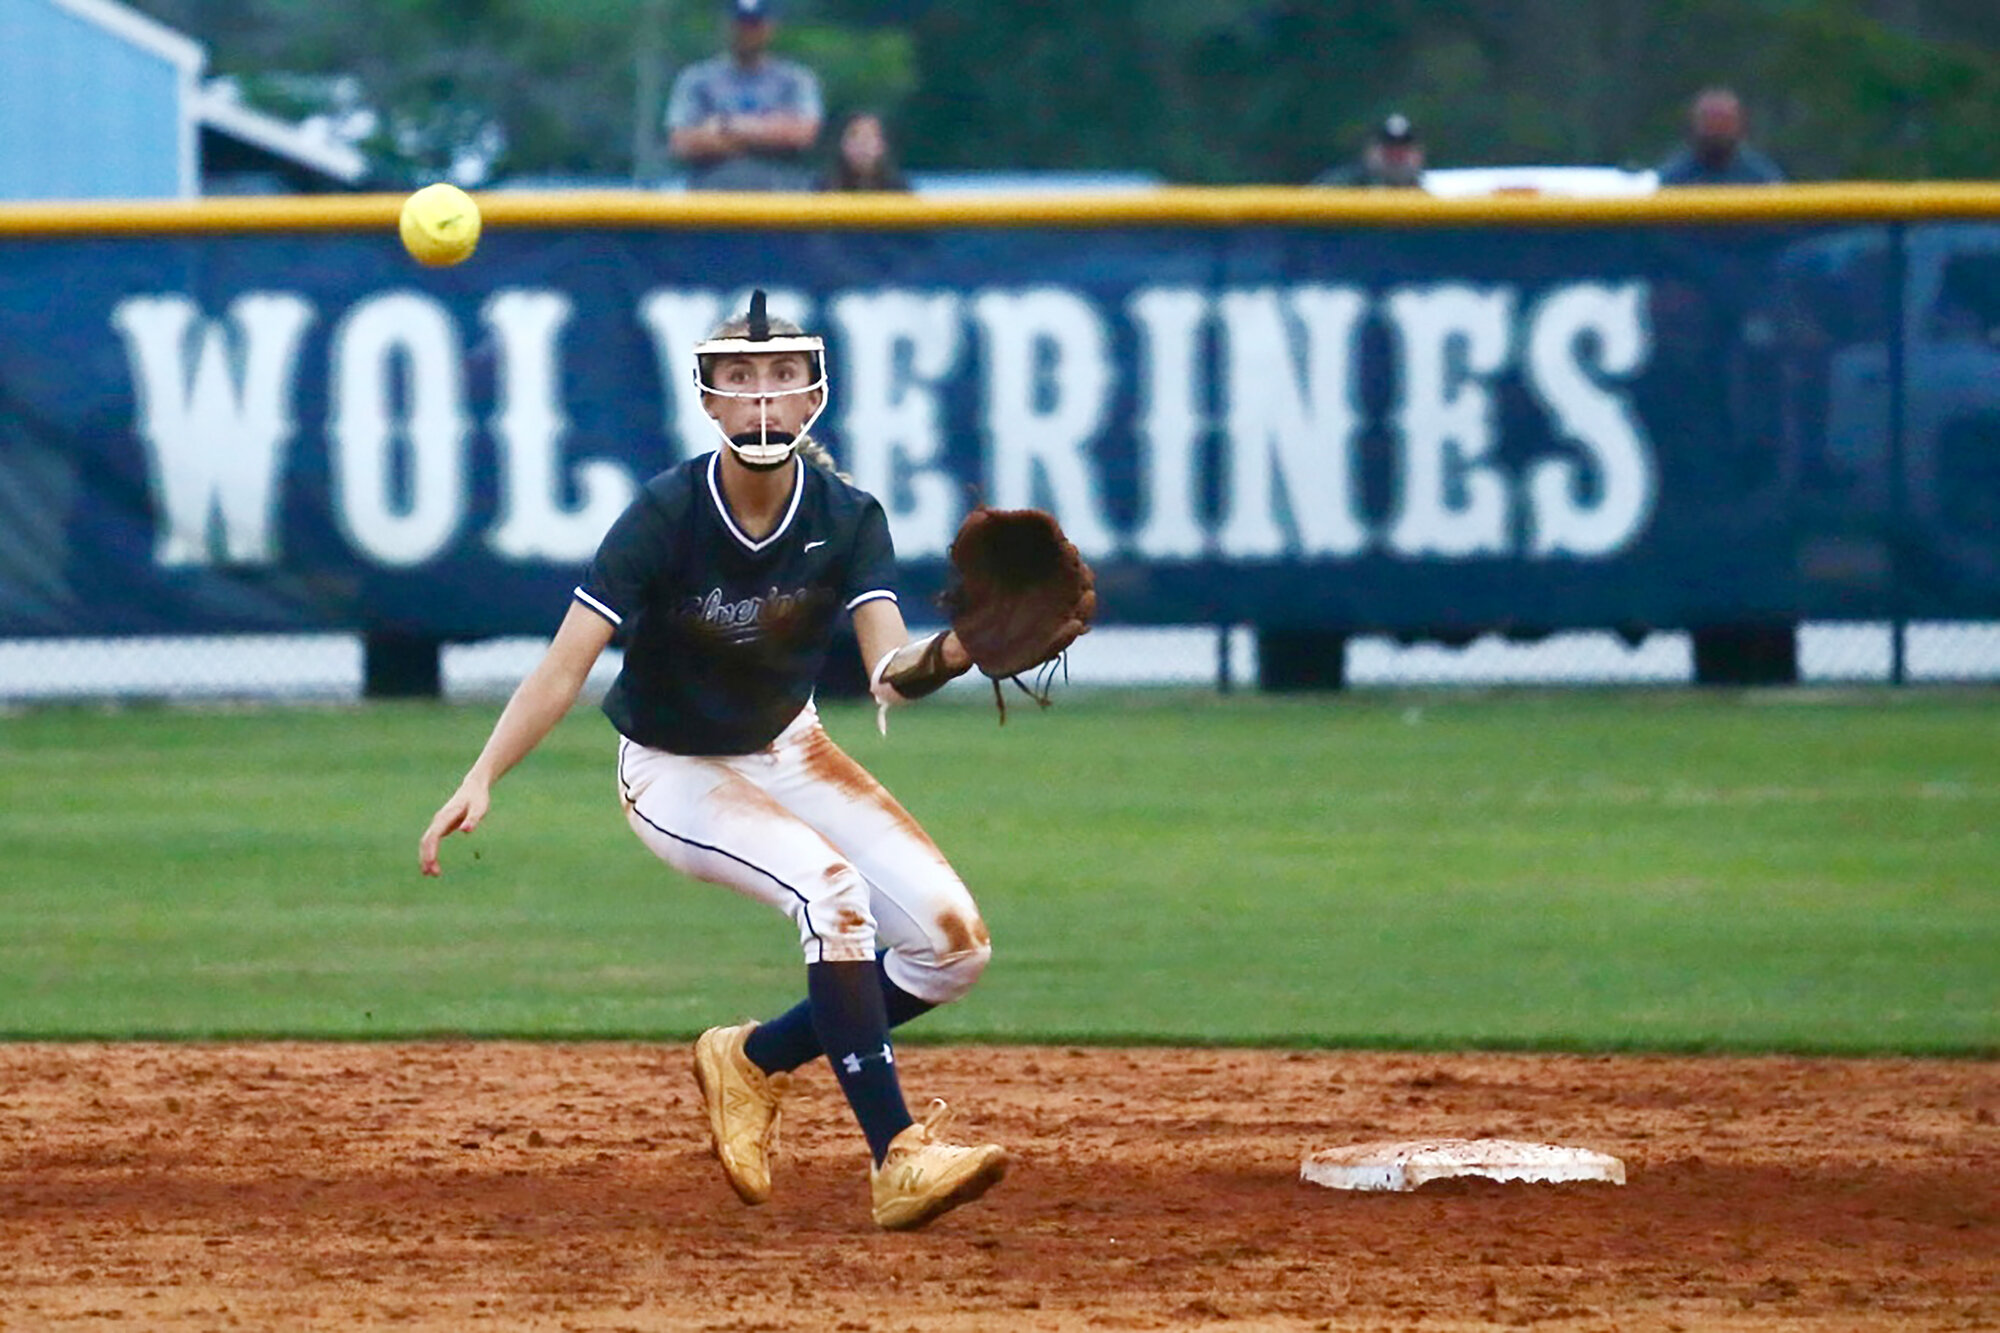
1405	1166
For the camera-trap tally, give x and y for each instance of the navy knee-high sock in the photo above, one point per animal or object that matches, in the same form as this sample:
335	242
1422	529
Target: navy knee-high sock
853	1025
782	1044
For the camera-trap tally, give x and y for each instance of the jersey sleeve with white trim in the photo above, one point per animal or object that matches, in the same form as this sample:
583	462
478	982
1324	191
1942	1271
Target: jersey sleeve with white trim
872	570
634	551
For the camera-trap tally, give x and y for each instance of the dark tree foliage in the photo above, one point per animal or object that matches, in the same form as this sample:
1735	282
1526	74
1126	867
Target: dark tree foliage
1278	90
1204	91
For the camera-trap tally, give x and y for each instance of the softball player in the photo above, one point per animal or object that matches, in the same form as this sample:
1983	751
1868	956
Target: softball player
724	580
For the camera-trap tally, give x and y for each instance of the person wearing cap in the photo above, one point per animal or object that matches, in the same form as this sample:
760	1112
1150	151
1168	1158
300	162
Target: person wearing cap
745	119
1393	158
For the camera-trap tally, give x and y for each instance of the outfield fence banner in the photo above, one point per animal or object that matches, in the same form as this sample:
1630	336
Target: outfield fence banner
1440	429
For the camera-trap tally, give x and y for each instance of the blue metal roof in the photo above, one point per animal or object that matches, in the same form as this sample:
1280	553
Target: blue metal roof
94	103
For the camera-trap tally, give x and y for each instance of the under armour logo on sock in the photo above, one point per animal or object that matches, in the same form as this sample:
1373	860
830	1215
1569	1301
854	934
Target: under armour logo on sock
851	1062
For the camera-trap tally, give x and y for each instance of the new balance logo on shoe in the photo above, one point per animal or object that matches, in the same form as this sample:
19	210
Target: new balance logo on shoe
923	1177
744	1106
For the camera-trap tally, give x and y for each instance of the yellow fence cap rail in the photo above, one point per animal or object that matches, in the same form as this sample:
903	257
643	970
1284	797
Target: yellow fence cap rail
1165	207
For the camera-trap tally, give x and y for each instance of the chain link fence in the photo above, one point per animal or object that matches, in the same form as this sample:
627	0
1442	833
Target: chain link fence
332	667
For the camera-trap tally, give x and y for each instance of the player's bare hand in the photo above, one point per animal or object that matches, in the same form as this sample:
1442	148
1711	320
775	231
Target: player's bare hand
460	814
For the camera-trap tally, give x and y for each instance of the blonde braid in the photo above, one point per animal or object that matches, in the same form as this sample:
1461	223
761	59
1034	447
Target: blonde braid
816	453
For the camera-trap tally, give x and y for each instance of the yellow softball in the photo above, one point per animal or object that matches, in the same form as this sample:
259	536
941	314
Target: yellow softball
440	225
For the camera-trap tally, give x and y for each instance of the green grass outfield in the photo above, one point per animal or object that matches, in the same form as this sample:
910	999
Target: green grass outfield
1569	869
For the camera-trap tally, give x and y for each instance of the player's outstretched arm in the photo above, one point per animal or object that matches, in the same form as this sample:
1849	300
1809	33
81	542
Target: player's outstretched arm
901	668
888	650
538	703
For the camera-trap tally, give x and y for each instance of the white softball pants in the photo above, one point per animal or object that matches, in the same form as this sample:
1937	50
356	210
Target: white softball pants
804	828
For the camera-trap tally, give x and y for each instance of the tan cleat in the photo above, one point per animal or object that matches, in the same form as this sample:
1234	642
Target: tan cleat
743	1108
921	1178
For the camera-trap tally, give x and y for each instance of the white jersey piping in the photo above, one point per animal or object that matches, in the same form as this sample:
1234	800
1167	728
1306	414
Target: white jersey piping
729	521
598	606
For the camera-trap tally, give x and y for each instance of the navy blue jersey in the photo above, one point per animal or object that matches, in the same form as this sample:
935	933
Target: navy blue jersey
724	636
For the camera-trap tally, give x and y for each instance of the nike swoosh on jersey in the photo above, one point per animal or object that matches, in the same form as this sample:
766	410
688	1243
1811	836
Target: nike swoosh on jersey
810	545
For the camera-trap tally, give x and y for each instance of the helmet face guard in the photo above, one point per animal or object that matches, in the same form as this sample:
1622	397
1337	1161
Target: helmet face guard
764	448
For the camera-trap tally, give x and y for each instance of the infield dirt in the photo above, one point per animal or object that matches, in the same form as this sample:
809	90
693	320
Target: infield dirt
522	1186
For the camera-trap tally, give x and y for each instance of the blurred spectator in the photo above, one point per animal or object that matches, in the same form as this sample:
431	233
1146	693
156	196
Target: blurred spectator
745	119
1717	151
1393	158
1705	355
862	159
